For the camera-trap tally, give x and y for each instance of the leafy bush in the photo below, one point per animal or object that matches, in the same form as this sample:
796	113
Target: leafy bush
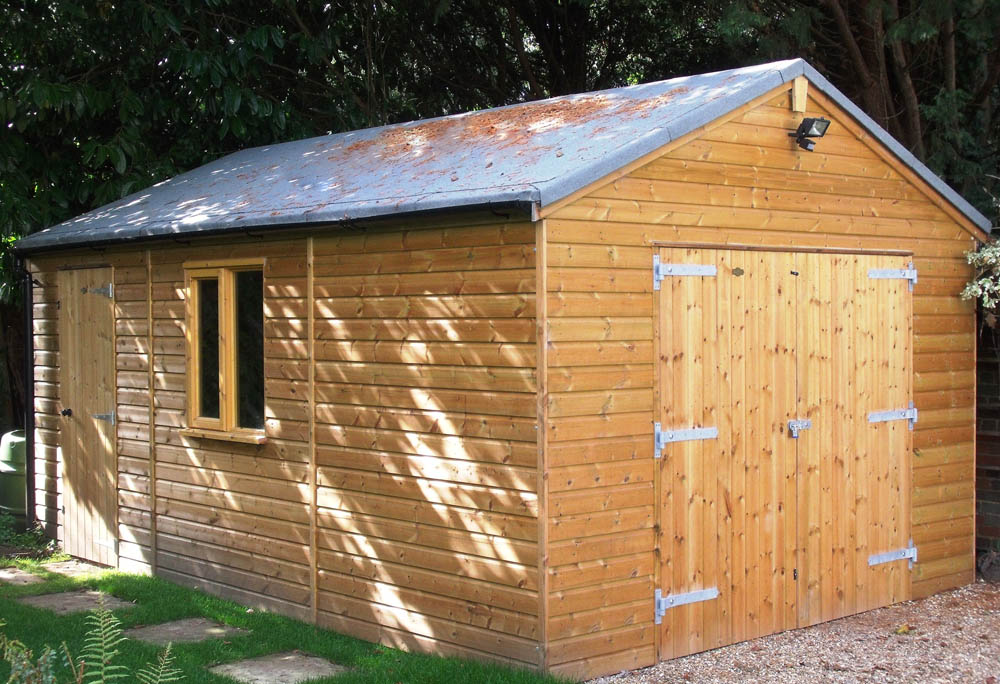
8	528
985	285
95	665
33	539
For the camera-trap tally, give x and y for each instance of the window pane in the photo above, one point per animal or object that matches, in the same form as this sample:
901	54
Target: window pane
250	348
208	347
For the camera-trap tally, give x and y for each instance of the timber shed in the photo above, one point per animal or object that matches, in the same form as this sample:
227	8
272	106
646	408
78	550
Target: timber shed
577	384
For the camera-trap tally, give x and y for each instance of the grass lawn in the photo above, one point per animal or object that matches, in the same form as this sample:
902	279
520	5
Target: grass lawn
159	601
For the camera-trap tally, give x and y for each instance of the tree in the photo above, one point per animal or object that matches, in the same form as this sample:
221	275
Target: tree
925	70
101	98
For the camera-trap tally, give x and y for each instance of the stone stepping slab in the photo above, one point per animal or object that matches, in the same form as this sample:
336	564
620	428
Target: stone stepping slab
290	667
18	577
73	568
68	602
188	630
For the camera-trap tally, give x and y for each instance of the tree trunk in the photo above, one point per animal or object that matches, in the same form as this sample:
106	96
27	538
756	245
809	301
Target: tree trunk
948	37
868	68
914	135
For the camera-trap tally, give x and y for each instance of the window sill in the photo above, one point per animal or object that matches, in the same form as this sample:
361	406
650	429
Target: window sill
243	437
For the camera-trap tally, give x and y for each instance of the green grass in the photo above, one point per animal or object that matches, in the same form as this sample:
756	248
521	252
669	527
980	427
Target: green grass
159	601
35	565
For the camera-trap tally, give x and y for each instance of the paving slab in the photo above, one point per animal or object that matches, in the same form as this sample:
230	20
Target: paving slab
289	667
68	602
184	631
74	568
18	577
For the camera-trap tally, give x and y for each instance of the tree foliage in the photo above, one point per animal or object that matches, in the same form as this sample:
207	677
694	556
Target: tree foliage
101	98
925	70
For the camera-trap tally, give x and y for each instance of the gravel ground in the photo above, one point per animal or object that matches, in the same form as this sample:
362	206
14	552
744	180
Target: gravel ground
950	637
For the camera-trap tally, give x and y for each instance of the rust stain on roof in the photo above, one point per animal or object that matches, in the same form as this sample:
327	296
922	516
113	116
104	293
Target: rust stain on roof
504	128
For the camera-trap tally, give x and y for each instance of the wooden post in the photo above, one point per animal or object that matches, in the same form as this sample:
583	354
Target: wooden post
313	527
800	90
541	322
152	412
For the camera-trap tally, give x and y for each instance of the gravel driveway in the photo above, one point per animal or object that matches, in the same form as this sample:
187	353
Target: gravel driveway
950	637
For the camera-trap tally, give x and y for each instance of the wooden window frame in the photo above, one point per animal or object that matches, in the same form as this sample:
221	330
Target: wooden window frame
226	426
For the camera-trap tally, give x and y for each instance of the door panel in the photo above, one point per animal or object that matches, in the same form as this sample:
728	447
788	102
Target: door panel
770	337
87	388
854	358
727	361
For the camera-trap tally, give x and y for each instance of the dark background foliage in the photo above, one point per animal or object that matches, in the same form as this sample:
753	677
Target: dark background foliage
102	98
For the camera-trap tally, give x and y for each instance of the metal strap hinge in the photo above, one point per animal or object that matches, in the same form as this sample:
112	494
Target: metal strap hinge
663	603
909	414
909	274
108	290
909	552
110	417
664	437
661	271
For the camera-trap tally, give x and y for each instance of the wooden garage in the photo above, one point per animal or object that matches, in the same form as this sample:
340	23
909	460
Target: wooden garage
578	384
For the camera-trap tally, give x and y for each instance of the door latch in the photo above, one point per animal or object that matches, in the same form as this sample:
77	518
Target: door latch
794	426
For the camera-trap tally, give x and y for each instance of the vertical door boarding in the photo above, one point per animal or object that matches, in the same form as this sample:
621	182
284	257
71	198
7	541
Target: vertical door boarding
87	426
776	489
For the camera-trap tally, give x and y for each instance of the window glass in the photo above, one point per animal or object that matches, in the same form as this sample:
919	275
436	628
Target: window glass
208	347
250	348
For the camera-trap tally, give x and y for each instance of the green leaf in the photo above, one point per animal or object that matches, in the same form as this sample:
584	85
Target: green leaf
162	671
118	159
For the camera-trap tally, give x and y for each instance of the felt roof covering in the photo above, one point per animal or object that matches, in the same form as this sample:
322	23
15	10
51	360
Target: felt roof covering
526	155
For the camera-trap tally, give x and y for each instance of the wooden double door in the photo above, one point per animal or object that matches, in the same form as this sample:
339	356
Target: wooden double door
87	422
787	530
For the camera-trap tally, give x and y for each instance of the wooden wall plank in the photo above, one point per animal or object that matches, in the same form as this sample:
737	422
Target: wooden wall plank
426	436
739	183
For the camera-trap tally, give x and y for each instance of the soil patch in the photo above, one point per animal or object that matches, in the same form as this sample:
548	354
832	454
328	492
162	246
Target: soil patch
23	552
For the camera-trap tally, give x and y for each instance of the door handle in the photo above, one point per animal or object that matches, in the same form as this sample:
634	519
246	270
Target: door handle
67	412
794	426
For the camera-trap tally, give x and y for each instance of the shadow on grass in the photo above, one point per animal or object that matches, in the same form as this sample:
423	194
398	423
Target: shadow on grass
158	601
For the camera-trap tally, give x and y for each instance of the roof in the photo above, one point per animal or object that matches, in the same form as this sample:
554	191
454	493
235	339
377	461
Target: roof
530	154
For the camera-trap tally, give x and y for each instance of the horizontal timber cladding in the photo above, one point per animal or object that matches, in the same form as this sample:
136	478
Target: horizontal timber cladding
396	497
739	182
47	461
426	438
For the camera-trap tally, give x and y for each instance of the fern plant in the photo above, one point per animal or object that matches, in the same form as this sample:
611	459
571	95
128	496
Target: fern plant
162	671
96	663
101	647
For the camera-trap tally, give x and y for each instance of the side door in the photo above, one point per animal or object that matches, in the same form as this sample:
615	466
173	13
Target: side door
87	428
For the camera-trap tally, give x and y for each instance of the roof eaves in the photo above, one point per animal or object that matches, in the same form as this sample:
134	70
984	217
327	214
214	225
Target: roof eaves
525	196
